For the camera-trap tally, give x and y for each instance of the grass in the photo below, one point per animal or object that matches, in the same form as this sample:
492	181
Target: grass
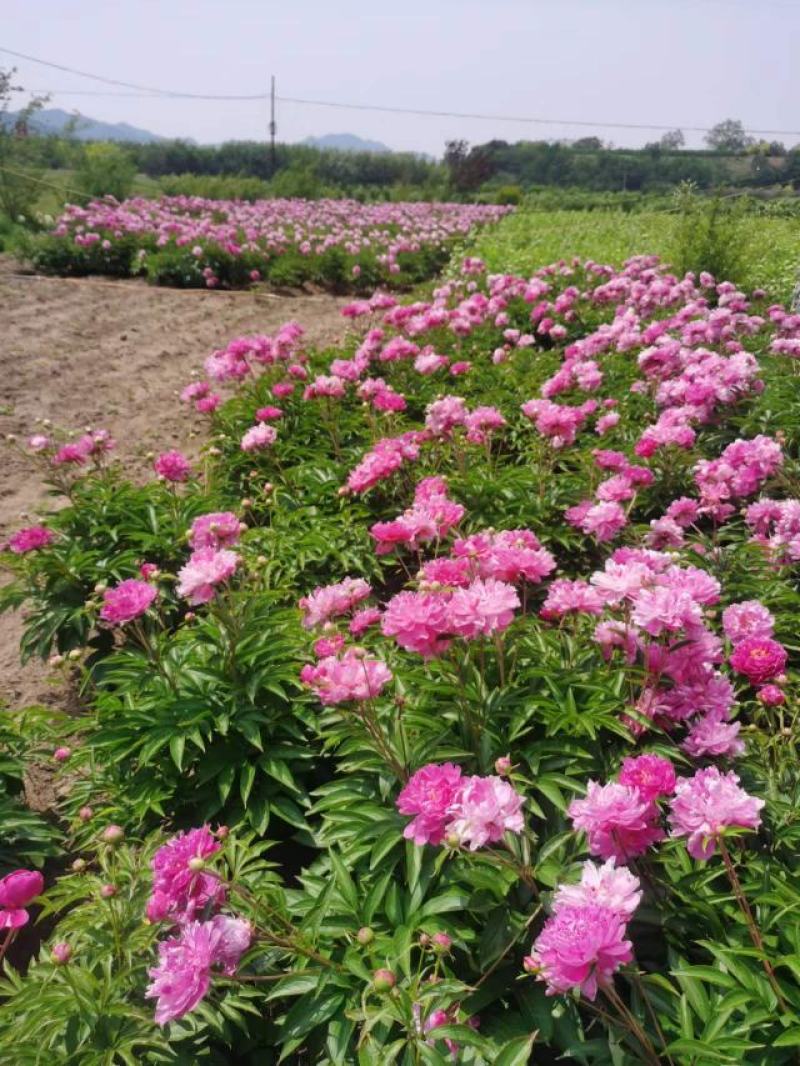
527	239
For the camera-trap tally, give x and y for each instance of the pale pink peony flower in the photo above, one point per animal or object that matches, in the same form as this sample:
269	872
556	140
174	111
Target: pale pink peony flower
429	794
259	436
483	608
126	601
711	735
707	804
207	568
328	601
219	530
580	947
183	974
747	619
483	810
608	885
351	677
618	820
179	892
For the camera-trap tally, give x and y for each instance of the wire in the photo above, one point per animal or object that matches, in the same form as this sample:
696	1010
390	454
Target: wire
149	91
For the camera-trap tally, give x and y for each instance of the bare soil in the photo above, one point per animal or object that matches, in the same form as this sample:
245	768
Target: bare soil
112	355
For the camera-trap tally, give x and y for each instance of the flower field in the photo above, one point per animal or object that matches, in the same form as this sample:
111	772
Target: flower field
443	709
190	242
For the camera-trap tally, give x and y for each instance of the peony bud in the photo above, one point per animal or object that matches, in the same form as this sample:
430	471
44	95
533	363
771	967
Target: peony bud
62	754
108	891
113	834
365	935
79	866
61	953
502	765
441	942
383	981
529	964
85	813
222	832
196	864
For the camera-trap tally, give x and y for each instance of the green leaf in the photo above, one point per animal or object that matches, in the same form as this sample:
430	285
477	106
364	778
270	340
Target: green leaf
516	1052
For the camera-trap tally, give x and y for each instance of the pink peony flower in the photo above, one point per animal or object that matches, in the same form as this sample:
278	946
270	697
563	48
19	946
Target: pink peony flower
748	619
711	735
172	466
608	885
179	892
17	890
581	947
707	804
429	794
183	974
219	530
418	621
483	608
759	658
483	809
652	775
328	601
29	539
126	601
207	568
351	677
618	820
771	696
259	436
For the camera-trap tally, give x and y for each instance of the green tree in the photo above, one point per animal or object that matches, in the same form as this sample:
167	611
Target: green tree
728	136
106	170
19	189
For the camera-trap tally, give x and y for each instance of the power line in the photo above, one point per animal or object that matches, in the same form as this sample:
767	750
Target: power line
149	92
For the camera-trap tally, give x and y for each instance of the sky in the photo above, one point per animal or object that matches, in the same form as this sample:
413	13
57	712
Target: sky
675	63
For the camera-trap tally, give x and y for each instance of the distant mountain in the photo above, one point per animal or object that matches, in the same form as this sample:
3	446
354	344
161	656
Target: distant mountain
345	142
83	128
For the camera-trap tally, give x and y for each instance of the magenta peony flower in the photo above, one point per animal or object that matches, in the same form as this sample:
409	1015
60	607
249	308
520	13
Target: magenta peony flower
179	892
29	539
771	696
126	601
172	466
207	568
653	775
607	886
17	890
219	530
183	974
759	659
580	947
707	804
429	794
618	820
483	810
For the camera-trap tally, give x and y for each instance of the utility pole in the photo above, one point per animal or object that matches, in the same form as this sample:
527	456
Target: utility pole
272	126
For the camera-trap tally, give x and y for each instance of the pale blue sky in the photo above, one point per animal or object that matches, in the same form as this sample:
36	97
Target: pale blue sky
681	62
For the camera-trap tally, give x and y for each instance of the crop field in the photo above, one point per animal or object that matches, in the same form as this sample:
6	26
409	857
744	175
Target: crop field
433	652
190	242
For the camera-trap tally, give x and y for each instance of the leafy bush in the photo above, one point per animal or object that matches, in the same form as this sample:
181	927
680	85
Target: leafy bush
106	170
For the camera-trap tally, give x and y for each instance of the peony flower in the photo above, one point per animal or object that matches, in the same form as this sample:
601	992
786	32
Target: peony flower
172	466
219	530
207	568
759	658
483	810
711	735
580	947
329	601
618	820
707	804
429	794
608	885
351	677
259	436
483	608
748	619
32	538
183	974
17	890
179	892
126	601
652	775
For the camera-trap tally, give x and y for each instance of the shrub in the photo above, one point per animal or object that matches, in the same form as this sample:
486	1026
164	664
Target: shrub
106	170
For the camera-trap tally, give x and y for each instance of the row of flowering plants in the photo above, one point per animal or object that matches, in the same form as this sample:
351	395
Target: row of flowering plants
444	709
191	242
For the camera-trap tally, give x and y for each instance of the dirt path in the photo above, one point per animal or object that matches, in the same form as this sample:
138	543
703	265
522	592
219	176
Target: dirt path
111	355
